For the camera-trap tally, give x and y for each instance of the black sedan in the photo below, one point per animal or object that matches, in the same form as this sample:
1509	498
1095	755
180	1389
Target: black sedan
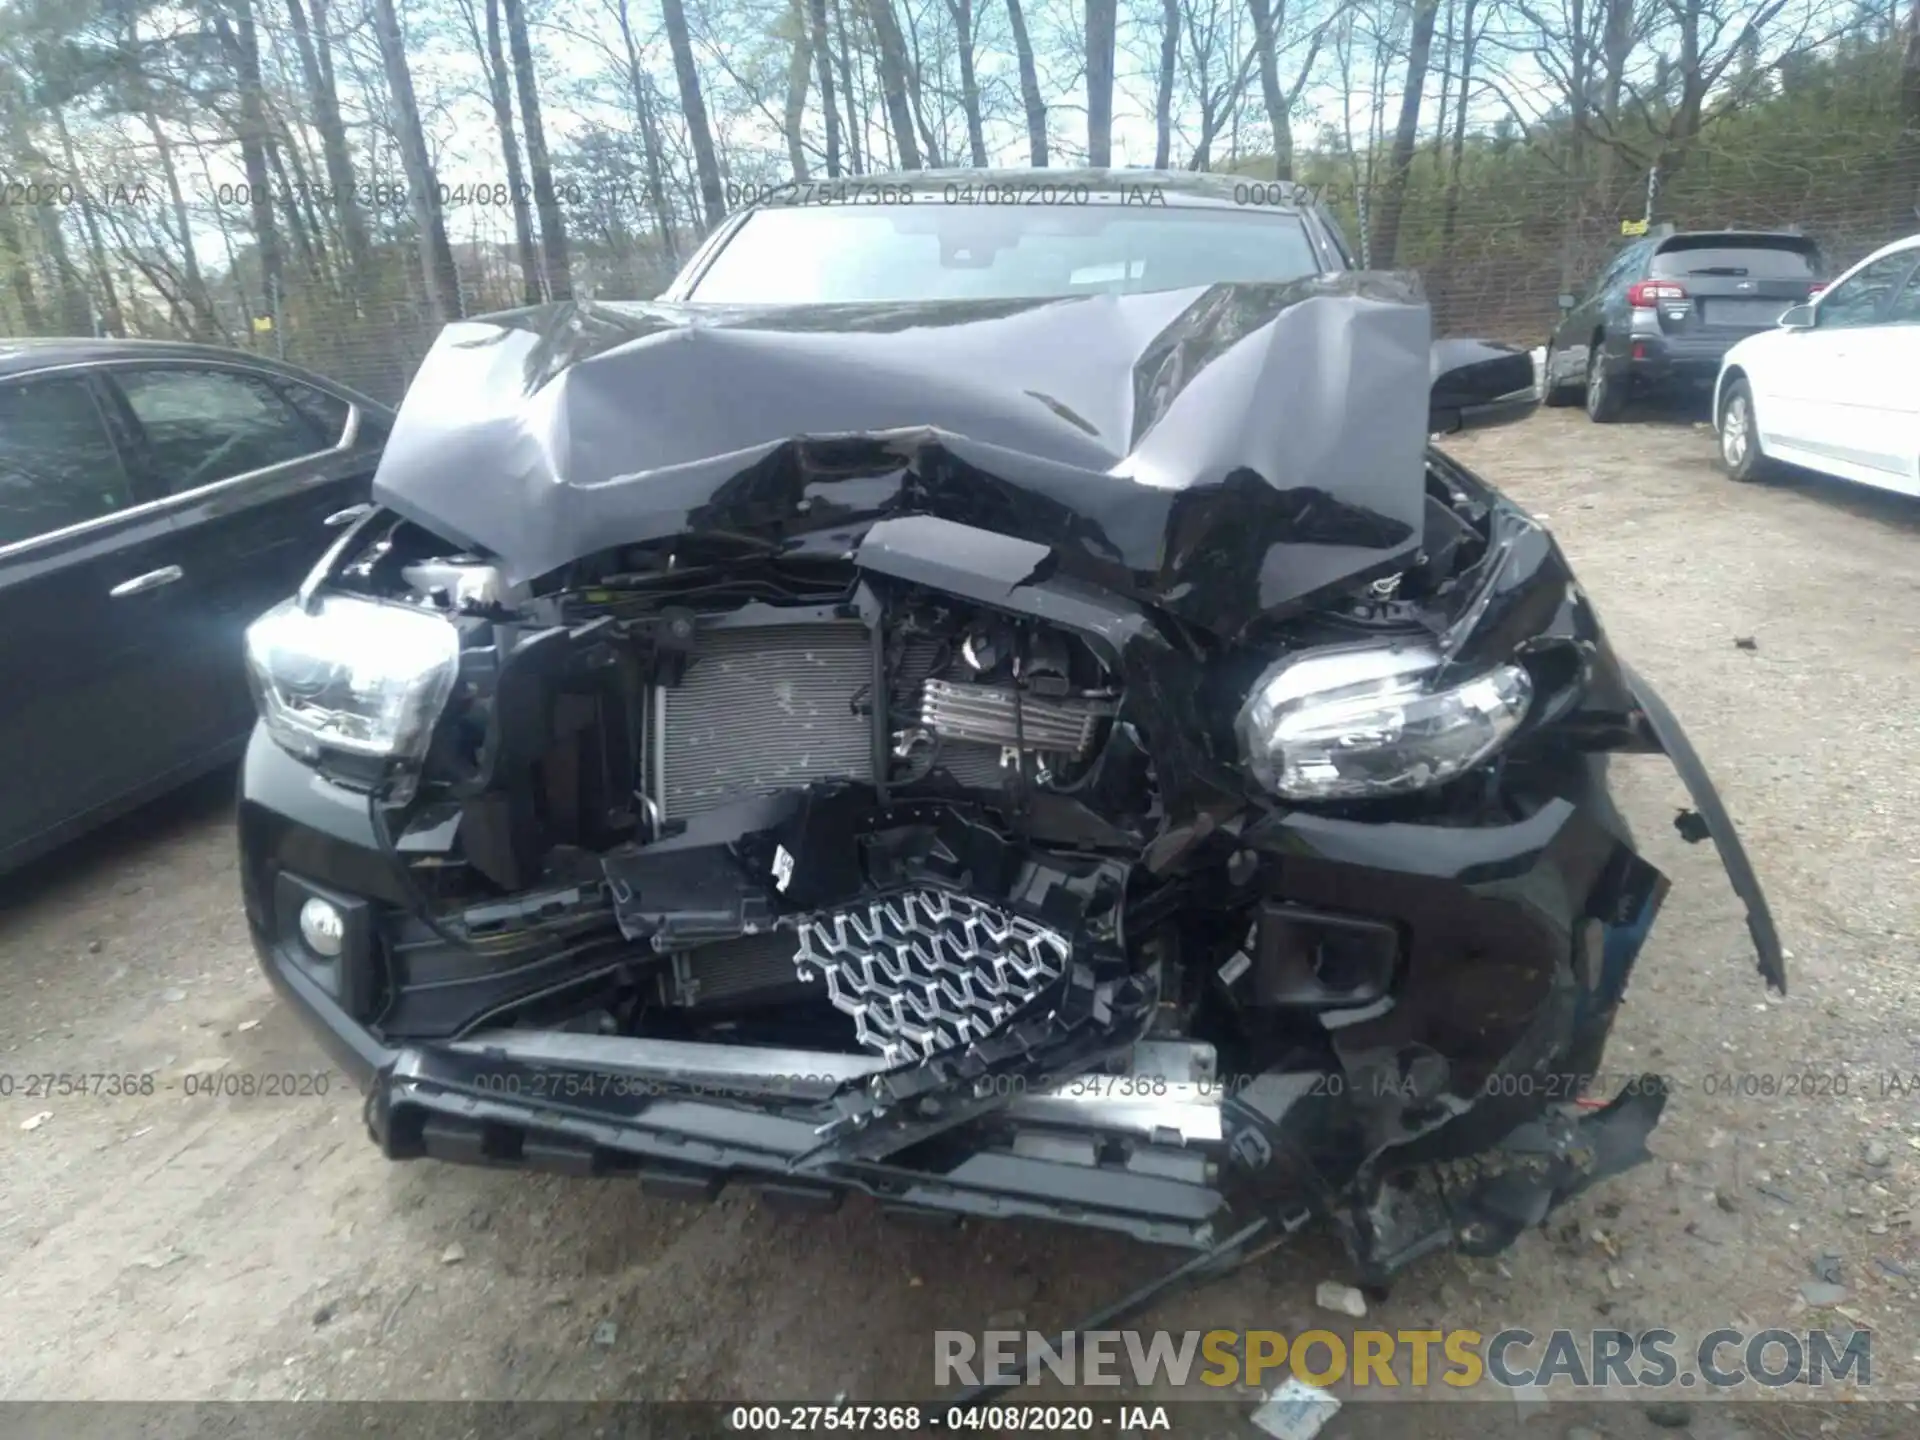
154	498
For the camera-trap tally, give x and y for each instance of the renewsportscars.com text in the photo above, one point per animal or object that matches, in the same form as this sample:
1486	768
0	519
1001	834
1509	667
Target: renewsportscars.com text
1512	1358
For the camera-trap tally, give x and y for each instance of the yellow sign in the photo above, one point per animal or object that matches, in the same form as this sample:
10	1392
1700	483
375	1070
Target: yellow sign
262	324
1633	227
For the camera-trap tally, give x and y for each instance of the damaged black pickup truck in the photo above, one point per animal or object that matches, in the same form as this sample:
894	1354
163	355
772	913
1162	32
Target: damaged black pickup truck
1001	708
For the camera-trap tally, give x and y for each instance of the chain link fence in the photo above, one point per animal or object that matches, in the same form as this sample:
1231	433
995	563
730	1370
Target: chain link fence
1495	236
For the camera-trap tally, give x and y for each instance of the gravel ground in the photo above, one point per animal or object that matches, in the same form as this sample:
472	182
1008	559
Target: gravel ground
233	1249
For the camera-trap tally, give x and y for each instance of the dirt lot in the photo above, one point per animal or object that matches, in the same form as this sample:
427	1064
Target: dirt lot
261	1249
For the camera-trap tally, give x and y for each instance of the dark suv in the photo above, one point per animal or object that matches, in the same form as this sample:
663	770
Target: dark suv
1666	307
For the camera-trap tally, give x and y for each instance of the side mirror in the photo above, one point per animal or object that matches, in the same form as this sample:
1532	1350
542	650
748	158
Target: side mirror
1477	383
1799	317
1567	302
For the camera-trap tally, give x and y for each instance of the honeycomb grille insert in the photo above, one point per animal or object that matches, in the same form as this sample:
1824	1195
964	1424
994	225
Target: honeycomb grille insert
928	972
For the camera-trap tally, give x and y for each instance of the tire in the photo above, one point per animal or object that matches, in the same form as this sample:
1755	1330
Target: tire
1606	397
1738	436
1555	396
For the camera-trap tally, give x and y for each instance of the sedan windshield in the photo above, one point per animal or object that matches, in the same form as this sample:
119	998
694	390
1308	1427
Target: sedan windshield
931	251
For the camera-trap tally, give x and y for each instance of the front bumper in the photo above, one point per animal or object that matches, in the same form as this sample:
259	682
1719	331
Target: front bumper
1167	1163
1523	933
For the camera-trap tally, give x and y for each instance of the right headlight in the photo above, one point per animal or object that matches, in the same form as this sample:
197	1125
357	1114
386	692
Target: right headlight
1354	721
352	675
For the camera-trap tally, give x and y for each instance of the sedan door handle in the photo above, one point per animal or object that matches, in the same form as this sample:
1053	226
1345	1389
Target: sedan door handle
346	516
152	580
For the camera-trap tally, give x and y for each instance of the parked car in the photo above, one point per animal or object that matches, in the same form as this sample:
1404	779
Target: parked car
994	705
1836	385
1663	311
154	499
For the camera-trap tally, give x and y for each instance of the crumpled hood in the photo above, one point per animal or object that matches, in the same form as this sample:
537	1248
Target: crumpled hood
1224	452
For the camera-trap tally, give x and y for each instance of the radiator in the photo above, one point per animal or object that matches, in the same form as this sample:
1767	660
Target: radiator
763	710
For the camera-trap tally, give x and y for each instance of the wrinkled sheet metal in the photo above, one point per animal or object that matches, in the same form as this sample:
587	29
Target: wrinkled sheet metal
1225	452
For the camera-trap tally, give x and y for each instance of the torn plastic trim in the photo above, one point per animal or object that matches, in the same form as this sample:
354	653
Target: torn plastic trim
1673	743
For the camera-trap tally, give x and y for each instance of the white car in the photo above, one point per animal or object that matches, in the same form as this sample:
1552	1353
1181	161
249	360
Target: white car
1836	386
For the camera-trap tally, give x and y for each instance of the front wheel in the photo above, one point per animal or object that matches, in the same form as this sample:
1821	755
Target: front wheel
1740	454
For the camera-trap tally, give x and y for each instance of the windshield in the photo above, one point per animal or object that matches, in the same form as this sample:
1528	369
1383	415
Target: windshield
930	251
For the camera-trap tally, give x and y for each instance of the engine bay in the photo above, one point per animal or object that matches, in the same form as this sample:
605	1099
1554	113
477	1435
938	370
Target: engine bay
790	801
615	744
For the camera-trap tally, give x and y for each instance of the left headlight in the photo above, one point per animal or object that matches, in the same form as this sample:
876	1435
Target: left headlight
1350	722
353	675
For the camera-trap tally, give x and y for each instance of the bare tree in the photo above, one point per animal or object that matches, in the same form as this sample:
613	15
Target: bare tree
1269	17
194	304
556	271
111	319
1217	92
693	105
1393	198
853	87
490	46
76	314
1163	91
1102	37
823	56
1031	99
962	13
240	42
1451	208
19	272
893	81
334	149
640	98
423	190
931	147
799	70
1701	24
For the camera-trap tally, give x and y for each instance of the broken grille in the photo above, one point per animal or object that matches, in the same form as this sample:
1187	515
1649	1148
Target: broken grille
927	972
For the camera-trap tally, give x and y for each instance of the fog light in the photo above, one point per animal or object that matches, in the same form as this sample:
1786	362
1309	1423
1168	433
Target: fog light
323	927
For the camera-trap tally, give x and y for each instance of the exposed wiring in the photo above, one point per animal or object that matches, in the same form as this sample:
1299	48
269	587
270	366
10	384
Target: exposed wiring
416	901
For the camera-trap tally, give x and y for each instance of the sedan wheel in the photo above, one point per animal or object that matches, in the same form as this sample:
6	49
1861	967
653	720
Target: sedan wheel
1740	453
1736	432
